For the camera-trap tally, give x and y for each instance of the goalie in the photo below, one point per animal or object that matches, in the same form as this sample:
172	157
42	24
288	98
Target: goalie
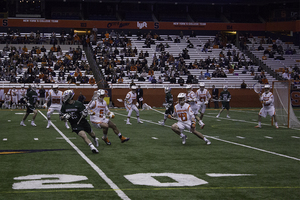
98	112
268	108
186	120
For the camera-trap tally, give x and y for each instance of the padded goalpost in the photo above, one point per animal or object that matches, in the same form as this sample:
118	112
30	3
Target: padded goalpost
282	101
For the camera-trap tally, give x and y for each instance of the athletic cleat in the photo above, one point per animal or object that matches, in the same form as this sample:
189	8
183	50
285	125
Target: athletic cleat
96	142
228	116
48	125
276	126
140	122
128	123
94	150
22	124
208	142
258	126
202	127
218	116
161	123
184	139
106	141
124	139
32	123
67	126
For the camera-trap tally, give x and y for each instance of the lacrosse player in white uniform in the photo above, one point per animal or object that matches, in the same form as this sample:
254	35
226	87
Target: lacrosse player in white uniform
268	108
55	97
7	100
191	99
15	96
186	119
98	112
22	95
203	97
130	105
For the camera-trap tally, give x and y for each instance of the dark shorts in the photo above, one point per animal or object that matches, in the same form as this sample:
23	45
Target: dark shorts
83	126
170	110
225	105
30	109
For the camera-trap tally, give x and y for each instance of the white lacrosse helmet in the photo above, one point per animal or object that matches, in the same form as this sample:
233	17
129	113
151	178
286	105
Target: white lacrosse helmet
133	87
100	93
188	87
67	95
55	86
267	86
225	87
167	89
202	84
181	98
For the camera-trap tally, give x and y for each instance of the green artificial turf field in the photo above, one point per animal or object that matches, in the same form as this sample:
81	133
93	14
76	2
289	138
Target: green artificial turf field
242	162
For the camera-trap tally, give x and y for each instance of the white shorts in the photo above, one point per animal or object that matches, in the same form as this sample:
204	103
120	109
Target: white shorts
202	107
267	111
98	123
15	99
54	108
186	125
195	109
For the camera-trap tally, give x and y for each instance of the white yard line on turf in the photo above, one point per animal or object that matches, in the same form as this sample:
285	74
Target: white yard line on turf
121	194
215	138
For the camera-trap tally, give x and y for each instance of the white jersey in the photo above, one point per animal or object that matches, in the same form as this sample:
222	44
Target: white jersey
55	98
22	93
191	98
184	113
267	100
203	96
131	97
100	109
15	95
7	98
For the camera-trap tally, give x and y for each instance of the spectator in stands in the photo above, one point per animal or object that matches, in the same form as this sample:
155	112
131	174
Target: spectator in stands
243	85
177	40
153	80
180	81
173	80
120	79
286	75
264	57
207	74
201	76
260	47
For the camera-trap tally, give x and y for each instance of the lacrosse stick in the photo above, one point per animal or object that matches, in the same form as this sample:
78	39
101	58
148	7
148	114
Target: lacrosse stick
257	87
120	100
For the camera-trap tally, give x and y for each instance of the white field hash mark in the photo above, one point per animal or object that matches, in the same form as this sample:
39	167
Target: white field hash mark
234	143
120	193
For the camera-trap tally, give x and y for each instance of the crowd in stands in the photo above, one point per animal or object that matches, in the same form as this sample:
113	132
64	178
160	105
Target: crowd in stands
133	64
36	65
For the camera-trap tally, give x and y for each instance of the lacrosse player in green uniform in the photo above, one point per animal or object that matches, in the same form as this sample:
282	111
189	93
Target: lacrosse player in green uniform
31	102
168	104
225	96
76	113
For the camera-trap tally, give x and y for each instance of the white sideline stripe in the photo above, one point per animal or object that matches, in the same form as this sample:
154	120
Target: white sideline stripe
242	145
268	137
71	138
225	175
95	167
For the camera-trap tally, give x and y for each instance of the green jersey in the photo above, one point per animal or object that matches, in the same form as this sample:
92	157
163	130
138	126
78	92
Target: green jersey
225	95
169	102
74	110
31	97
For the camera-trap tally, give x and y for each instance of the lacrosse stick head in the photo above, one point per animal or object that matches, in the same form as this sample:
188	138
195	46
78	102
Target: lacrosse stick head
257	87
146	106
